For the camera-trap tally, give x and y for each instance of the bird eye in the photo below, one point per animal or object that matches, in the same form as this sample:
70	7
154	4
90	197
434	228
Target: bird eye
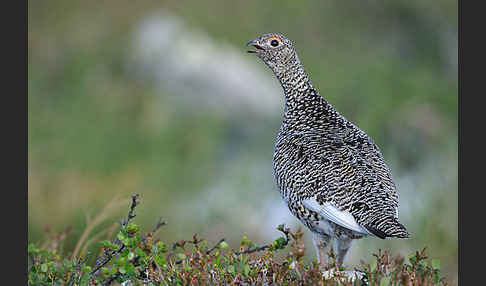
274	43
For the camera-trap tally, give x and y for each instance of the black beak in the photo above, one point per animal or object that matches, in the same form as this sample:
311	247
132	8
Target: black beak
255	44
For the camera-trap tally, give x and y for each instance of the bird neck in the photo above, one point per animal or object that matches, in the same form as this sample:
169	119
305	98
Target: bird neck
300	94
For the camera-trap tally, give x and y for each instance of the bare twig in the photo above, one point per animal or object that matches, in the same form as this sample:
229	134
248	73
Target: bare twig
181	243
108	255
215	246
251	250
207	252
160	223
261	248
248	251
131	215
102	261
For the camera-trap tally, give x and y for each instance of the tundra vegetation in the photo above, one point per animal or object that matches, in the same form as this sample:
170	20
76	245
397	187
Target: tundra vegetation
134	257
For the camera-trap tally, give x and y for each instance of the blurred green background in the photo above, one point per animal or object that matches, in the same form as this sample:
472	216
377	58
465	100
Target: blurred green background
160	98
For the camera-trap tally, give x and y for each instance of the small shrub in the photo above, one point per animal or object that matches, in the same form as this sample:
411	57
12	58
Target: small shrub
136	258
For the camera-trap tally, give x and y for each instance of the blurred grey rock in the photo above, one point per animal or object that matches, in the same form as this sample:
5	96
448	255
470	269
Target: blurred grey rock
194	69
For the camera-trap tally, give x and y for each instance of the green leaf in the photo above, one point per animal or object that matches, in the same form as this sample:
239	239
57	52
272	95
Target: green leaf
244	240
132	228
385	281
246	270
126	241
140	252
161	247
231	269
125	253
223	245
32	249
160	260
122	270
84	280
131	255
121	236
44	267
130	269
435	263
122	260
106	244
280	243
373	266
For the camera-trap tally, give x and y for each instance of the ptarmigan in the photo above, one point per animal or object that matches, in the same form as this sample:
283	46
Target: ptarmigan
330	173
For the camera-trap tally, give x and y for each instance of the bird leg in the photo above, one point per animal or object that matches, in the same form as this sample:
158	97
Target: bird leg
320	243
342	246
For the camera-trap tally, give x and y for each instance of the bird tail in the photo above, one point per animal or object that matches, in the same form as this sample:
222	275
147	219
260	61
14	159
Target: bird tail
389	227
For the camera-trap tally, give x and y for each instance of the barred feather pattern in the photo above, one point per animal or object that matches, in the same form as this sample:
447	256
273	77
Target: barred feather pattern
320	154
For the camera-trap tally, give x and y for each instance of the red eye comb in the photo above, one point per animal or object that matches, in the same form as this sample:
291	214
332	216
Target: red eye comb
274	38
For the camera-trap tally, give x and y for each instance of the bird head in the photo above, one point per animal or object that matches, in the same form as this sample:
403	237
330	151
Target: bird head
275	50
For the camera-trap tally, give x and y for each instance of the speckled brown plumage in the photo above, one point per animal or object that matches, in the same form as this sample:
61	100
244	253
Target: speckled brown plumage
329	172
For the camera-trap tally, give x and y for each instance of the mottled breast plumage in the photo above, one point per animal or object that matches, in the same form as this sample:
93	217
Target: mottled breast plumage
319	153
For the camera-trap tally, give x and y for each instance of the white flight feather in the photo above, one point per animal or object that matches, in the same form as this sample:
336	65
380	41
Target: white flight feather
330	212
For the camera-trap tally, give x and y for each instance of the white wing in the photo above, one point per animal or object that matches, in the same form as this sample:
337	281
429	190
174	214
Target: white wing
330	212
